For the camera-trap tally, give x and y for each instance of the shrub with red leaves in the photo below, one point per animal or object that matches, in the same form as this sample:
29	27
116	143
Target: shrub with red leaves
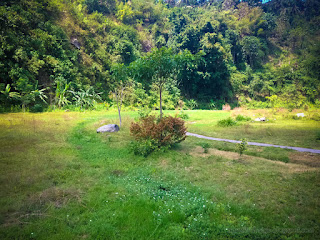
164	132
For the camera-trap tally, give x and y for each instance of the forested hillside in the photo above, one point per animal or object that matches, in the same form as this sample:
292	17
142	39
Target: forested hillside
62	53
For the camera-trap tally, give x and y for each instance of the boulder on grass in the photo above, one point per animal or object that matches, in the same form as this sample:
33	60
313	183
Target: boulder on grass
300	115
108	128
263	119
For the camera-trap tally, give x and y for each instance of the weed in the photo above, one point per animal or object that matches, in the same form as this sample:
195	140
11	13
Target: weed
205	147
183	115
228	122
241	118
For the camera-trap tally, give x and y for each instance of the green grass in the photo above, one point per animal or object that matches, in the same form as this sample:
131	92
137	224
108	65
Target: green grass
62	180
278	130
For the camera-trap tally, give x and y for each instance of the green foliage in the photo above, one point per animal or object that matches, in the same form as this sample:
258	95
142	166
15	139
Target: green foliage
183	115
158	66
106	6
191	104
143	147
144	112
241	118
241	147
228	122
211	54
252	51
85	99
36	108
205	147
318	136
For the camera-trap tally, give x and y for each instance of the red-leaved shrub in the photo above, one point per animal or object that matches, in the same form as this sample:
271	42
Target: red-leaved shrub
163	132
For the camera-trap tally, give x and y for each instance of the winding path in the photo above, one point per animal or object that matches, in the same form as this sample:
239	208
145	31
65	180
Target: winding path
255	143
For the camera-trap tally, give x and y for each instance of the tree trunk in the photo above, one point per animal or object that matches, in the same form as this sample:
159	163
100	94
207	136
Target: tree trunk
119	110
119	103
160	90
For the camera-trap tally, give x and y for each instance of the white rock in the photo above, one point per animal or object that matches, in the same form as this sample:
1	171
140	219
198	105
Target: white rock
300	115
108	128
263	119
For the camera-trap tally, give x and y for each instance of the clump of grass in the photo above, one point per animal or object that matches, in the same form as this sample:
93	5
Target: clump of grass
241	118
228	122
183	115
318	136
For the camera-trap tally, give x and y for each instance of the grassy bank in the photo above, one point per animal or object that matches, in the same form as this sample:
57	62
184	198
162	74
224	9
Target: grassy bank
62	180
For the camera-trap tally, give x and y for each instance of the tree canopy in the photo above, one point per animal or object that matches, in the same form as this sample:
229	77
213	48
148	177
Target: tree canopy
217	51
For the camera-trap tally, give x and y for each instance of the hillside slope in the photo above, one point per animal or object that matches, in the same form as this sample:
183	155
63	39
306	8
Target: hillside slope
236	52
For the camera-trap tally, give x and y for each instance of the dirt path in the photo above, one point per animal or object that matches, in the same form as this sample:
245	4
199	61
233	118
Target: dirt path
255	143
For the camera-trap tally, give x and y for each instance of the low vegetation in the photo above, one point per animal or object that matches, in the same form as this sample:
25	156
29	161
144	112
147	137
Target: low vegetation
68	67
153	133
60	179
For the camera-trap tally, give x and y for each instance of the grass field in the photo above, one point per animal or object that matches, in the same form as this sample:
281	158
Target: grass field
62	180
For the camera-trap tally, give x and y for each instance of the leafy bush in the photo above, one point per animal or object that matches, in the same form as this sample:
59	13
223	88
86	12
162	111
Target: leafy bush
144	112
318	136
152	133
143	147
36	108
241	118
315	117
183	115
192	104
228	122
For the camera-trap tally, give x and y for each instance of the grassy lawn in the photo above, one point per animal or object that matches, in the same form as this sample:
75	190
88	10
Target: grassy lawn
62	180
277	130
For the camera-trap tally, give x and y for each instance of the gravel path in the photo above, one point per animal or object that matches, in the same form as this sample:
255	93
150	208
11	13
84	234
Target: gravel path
255	143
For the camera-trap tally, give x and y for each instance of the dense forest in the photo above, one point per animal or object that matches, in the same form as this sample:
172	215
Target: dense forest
76	53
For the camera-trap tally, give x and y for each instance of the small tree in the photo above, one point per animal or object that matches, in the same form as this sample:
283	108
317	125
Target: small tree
241	147
157	67
119	75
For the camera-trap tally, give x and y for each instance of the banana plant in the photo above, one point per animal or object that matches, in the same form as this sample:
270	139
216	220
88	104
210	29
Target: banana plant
9	95
85	98
61	92
39	93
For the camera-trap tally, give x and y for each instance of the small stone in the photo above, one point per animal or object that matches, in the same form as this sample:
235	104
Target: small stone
300	115
108	128
262	119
